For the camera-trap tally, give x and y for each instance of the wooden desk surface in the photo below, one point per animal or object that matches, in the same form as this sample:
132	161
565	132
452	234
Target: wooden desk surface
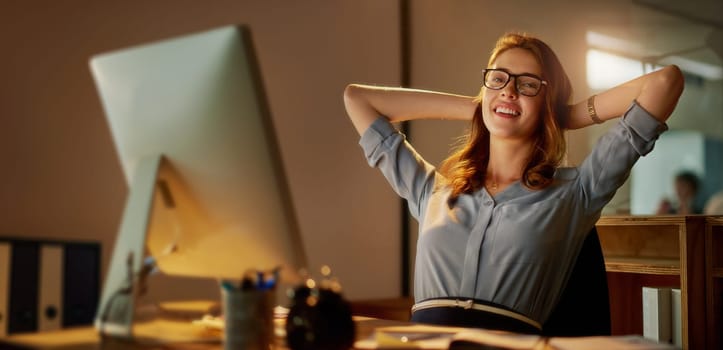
158	334
180	333
169	335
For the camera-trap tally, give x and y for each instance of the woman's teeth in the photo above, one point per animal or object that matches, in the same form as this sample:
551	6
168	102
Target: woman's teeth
507	111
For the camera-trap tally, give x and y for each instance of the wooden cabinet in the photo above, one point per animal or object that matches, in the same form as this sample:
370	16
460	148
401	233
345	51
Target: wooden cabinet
685	252
714	281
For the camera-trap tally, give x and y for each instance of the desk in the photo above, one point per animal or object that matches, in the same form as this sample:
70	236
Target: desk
153	336
159	331
667	251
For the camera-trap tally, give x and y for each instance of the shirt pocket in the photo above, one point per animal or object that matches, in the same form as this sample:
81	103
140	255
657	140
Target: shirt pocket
527	233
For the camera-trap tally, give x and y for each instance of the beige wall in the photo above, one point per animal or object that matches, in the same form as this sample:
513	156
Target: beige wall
452	40
60	175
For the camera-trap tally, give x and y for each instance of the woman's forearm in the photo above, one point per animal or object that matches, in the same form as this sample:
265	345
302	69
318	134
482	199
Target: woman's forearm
366	103
657	92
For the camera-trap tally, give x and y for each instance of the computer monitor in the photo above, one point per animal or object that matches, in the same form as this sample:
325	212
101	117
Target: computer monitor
207	192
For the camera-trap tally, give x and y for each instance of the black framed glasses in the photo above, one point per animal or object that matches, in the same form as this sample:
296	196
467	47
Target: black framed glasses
525	83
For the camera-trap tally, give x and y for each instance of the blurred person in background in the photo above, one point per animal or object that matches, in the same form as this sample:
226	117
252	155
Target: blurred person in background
686	185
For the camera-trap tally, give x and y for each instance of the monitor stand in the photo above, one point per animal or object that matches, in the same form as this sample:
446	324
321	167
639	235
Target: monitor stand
127	272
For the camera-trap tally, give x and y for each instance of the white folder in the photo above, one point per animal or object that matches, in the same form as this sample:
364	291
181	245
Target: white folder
5	252
656	314
676	315
50	288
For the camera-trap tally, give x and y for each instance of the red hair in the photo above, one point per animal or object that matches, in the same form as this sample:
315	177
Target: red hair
466	168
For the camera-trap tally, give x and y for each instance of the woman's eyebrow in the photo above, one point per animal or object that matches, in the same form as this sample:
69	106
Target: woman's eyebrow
523	73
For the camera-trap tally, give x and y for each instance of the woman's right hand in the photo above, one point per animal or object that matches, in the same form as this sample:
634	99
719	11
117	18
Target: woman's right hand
365	103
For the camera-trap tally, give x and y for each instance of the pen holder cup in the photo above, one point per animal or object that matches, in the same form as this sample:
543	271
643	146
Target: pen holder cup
248	318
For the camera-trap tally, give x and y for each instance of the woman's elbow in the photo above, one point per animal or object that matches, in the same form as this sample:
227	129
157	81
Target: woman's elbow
672	77
358	108
351	92
661	92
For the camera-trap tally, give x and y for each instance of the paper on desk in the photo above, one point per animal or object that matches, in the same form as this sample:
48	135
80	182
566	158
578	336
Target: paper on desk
629	342
498	339
439	337
408	337
168	331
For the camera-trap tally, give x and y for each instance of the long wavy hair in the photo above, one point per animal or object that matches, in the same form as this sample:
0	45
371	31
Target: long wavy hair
466	168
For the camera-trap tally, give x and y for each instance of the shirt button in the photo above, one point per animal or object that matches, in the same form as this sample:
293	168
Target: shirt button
488	203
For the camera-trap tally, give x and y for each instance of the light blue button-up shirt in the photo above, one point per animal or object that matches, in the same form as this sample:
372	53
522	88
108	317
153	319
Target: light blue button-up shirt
517	248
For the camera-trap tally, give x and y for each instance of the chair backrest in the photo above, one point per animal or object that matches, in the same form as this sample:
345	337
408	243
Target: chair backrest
584	307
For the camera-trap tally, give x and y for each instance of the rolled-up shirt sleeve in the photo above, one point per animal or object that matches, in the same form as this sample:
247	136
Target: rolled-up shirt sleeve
609	164
410	176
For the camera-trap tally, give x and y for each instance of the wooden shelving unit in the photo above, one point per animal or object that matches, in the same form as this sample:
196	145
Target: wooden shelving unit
642	265
684	252
714	281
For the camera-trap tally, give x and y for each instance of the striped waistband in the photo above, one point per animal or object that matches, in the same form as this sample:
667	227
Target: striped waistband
471	304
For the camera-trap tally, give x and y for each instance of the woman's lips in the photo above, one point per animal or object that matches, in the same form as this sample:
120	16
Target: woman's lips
506	110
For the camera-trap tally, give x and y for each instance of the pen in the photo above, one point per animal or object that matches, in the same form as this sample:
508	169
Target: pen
260	281
267	280
228	286
247	281
247	284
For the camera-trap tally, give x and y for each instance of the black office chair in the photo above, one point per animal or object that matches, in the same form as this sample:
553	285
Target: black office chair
584	307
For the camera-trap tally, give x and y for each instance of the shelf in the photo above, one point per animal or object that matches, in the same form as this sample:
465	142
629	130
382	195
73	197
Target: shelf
618	220
666	250
654	266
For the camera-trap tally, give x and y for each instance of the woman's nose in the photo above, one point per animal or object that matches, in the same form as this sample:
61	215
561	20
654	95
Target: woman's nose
510	90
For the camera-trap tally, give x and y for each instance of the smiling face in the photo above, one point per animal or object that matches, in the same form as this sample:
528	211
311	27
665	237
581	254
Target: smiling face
506	113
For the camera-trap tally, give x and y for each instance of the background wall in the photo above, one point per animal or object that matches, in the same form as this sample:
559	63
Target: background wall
60	174
452	40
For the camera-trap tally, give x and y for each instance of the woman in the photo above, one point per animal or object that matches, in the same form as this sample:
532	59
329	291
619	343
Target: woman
501	222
